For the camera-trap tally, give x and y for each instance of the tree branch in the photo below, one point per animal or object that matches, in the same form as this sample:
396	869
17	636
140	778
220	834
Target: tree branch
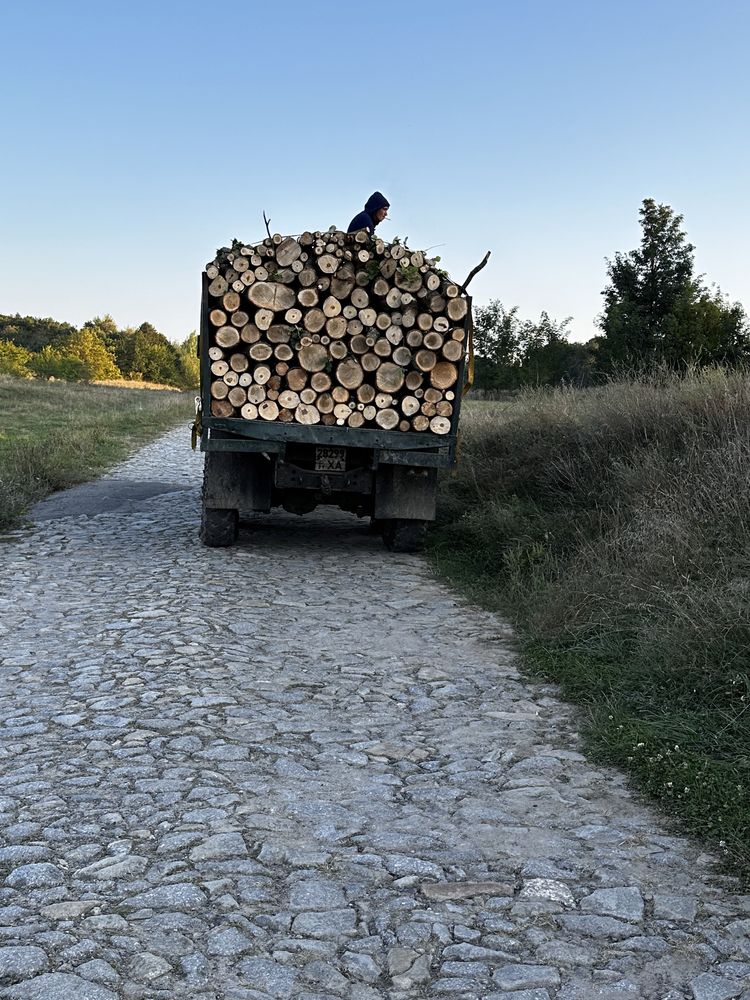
475	271
267	222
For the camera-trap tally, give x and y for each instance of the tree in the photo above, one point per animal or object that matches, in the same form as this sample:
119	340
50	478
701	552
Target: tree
14	360
87	347
655	309
188	362
154	357
497	338
52	362
33	333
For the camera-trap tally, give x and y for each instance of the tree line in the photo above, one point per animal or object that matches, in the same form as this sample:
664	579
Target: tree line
98	351
657	311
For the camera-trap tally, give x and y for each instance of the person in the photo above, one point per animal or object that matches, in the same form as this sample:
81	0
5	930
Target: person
376	209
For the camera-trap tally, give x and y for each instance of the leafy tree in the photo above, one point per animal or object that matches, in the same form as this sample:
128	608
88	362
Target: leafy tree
154	357
52	362
655	309
14	360
33	333
87	347
188	363
497	344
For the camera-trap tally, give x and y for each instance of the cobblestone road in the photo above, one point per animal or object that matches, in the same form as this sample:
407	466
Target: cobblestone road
303	769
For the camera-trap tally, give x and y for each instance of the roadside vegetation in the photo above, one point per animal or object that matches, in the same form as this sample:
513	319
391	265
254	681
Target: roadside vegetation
612	525
56	434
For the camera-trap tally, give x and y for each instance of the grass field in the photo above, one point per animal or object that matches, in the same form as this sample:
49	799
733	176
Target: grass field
55	434
612	526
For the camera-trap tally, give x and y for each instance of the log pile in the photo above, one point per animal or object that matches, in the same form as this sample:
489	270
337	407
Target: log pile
337	329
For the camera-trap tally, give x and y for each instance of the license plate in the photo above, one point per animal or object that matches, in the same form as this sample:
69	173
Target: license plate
330	459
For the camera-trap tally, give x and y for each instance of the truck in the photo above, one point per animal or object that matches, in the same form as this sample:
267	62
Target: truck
254	465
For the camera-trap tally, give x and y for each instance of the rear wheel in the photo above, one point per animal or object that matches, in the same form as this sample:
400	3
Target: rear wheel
402	534
219	526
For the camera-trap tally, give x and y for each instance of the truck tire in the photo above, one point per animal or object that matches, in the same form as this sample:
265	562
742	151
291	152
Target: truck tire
402	534
219	526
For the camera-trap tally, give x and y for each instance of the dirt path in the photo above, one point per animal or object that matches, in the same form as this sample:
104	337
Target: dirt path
303	769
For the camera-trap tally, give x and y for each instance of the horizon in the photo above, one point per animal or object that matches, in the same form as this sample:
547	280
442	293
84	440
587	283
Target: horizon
535	133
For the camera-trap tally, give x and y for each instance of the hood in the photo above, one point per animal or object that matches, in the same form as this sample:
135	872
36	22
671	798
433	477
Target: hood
376	201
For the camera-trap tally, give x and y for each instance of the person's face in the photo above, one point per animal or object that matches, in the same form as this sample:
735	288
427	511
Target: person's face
381	214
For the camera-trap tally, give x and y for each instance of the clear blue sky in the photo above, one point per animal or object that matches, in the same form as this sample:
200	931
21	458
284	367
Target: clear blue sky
139	136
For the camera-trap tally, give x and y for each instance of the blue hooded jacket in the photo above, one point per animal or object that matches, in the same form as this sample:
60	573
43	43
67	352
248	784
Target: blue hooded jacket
365	219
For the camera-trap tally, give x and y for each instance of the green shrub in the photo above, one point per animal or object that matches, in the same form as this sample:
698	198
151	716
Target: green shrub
14	360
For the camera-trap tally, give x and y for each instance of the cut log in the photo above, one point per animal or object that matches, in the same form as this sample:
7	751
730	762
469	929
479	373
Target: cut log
360	299
260	351
328	263
279	333
261	374
383	348
287	252
365	393
230	378
212	271
420	423
263	319
307	414
452	350
402	356
221	408
237	396
441	324
331	307
281	368
387	419
394	335
337	349
456	309
425	360
433	341
256	394
249	411
219	390
432	282
444	408
308	396
340	394
444	374
293	316
424	322
383	400
358	344
314	320
313	358
336	327
268	410
370	362
367	317
239	362
218	317
414	338
215	353
381	287
325	403
369	413
393	298
270	295
441	425
383	321
341	411
246	379
231	302
219	368
218	287
409	406
227	336
288	399
320	382
355	419
283	352
349	374
240	318
296	379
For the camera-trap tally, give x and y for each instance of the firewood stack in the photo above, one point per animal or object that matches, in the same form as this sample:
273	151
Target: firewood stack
335	328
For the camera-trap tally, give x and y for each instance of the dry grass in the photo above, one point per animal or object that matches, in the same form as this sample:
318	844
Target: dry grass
613	525
55	434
